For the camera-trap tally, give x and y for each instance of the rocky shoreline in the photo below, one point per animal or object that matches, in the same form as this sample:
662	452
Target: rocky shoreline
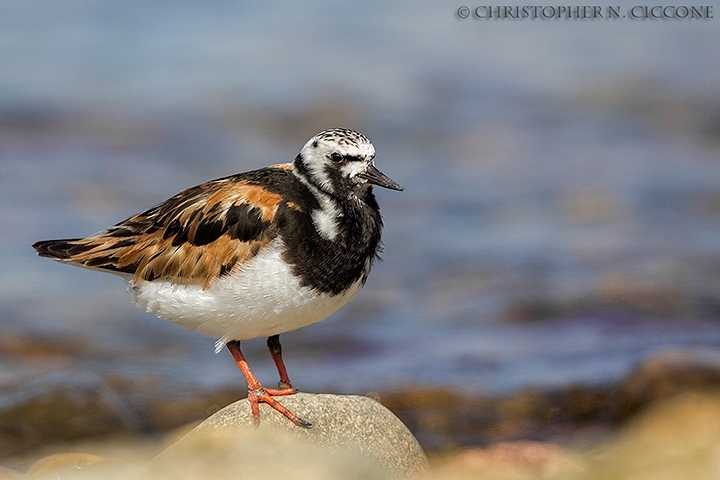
677	437
458	430
72	410
443	419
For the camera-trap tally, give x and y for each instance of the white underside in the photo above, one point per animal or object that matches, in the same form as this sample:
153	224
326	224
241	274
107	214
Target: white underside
259	300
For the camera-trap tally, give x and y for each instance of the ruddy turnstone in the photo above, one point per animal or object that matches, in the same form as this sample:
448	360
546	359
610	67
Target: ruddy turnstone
251	255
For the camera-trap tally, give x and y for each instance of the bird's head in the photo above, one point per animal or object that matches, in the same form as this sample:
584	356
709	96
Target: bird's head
339	162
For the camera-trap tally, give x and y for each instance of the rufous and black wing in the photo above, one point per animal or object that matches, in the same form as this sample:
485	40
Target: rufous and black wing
198	235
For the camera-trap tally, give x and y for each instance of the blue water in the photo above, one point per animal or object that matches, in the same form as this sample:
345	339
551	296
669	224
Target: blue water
551	161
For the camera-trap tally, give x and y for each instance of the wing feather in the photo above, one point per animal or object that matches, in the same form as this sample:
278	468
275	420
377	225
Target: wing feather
197	236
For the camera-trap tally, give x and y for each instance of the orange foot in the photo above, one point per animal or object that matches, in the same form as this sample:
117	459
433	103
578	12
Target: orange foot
258	394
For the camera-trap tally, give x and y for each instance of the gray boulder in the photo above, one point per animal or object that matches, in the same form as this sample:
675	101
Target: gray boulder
352	437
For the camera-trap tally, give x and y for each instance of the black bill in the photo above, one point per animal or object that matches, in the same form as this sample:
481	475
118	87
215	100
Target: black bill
376	177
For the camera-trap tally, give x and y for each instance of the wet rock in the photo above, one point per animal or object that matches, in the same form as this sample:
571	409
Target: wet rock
61	408
37	349
672	372
161	407
443	419
351	437
74	409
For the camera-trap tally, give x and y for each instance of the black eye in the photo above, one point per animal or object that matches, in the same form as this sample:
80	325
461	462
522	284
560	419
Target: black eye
336	157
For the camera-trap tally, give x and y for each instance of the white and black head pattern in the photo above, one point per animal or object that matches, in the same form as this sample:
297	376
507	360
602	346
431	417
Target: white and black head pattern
339	163
337	166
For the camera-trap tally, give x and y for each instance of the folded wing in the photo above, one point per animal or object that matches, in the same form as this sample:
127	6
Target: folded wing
197	236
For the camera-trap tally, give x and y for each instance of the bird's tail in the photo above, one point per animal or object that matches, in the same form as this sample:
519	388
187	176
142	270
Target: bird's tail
60	249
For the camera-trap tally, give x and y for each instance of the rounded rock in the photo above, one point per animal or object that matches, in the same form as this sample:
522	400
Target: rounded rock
351	437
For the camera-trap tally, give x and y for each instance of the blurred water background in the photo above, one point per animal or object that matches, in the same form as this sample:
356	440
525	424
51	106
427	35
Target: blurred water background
560	221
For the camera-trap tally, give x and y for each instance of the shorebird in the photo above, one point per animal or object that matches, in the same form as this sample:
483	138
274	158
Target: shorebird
254	254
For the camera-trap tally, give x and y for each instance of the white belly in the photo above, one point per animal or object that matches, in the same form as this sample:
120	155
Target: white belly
259	300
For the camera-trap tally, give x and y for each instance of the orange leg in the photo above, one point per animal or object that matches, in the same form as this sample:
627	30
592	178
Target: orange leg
257	393
273	344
